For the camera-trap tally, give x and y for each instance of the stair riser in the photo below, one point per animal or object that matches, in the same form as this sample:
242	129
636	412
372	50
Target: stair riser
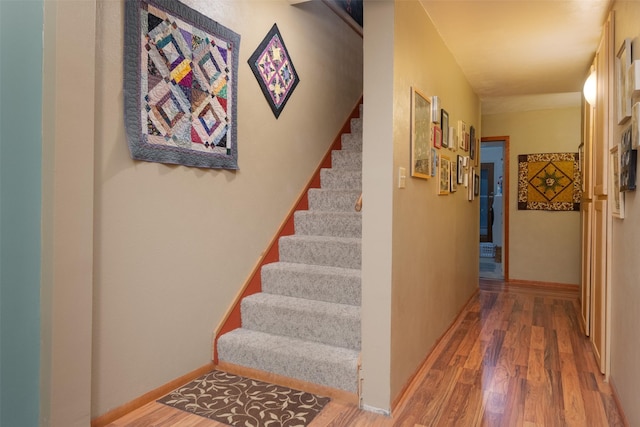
356	126
306	364
351	142
341	289
340	180
338	224
346	160
337	328
331	253
332	200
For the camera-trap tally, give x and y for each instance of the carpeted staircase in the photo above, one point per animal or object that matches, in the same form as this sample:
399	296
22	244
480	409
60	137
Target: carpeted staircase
305	324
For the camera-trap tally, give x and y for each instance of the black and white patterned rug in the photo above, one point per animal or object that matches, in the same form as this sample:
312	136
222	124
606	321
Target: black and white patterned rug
240	401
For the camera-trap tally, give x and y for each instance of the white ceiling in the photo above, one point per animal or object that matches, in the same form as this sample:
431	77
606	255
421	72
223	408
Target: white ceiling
521	54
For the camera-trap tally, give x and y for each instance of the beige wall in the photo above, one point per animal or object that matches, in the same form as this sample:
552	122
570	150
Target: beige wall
174	244
431	268
543	246
435	249
625	268
67	213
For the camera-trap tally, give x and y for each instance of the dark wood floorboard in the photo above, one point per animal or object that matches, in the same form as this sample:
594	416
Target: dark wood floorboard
516	358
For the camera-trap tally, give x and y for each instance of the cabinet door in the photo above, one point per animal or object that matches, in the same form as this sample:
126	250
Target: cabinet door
599	283
586	215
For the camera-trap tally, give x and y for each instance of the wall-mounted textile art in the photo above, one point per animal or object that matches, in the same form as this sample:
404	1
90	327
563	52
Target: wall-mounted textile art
549	181
180	85
274	70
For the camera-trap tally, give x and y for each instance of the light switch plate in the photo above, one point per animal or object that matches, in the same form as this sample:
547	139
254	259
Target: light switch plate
402	177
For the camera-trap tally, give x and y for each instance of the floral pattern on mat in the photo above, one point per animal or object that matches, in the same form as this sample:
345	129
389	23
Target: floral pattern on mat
240	401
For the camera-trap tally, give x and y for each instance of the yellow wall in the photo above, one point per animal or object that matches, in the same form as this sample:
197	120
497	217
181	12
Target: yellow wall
543	246
431	267
174	244
625	268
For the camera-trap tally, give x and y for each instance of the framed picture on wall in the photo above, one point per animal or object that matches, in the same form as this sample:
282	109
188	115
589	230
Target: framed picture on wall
444	125
623	62
444	175
453	138
617	197
434	162
628	162
420	135
435	109
471	172
453	179
476	185
460	175
437	136
462	135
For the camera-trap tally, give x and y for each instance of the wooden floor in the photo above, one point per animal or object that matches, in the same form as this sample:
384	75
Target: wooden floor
516	357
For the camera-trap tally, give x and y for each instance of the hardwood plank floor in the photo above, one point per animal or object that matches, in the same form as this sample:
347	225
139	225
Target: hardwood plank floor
517	357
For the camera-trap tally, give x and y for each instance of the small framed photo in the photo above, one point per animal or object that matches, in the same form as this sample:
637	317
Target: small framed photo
617	197
453	138
435	109
628	162
476	185
623	63
462	135
434	162
460	175
472	150
444	175
444	125
471	172
437	137
453	179
420	135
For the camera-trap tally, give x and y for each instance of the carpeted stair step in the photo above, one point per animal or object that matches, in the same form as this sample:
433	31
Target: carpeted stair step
356	126
346	160
340	180
332	200
318	223
321	250
314	282
318	321
329	366
351	142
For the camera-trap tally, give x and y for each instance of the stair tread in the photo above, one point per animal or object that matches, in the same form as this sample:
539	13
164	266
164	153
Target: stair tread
294	346
322	238
321	269
317	363
304	304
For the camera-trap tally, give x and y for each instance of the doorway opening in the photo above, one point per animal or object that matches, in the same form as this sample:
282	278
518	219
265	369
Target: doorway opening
494	212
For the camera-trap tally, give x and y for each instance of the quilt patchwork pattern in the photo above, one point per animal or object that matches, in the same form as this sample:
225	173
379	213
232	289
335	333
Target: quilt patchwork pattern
549	181
274	70
180	85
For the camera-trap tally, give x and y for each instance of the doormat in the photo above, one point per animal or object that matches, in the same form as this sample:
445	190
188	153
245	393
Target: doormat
180	85
240	401
549	181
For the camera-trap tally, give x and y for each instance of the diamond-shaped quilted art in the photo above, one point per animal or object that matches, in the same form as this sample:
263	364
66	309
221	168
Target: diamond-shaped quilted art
549	182
274	70
180	85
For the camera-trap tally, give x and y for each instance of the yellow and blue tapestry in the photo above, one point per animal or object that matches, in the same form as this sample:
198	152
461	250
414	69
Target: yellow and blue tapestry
180	85
273	68
549	181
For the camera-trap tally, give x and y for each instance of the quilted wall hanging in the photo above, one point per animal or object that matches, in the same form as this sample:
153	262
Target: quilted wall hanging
274	70
549	181
180	86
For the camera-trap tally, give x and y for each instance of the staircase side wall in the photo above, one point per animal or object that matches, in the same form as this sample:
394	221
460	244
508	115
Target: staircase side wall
173	244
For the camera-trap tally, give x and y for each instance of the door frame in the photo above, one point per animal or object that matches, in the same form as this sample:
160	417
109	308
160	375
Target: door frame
505	199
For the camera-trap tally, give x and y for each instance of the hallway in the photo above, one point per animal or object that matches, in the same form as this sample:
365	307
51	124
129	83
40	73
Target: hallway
514	357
